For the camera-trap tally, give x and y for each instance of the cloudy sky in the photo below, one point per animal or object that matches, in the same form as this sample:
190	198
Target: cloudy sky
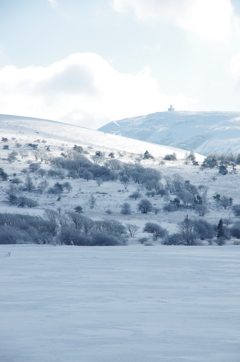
91	62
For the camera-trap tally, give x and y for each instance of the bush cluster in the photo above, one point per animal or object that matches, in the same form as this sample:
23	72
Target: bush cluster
69	229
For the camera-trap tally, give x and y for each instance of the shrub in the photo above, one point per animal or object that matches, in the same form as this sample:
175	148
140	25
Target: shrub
201	210
26	201
236	209
173	239
59	173
86	175
170	207
78	149
151	185
225	201
172	157
108	211
235	230
82	223
204	229
78	209
42	172
33	146
126	208
209	162
150	193
103	239
12	157
16	180
111	227
73	174
3	175
67	185
155	229
34	167
12	235
145	206
136	195
143	240
71	236
57	189
147	155
223	170
26	228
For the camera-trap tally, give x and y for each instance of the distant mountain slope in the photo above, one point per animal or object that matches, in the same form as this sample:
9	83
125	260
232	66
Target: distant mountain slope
28	127
203	132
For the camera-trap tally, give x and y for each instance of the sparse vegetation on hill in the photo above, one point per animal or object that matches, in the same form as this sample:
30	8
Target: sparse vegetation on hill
88	194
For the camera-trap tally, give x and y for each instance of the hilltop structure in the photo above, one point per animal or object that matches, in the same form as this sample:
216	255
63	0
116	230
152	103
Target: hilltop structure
171	109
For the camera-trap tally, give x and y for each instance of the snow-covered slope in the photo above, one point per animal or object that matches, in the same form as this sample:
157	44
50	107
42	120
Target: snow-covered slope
203	132
122	304
12	125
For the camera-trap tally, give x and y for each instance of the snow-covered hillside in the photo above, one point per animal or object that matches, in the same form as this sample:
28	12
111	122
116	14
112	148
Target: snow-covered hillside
203	132
28	127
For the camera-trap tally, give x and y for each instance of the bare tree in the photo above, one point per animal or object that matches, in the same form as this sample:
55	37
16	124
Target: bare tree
29	185
23	152
92	201
132	229
99	181
125	181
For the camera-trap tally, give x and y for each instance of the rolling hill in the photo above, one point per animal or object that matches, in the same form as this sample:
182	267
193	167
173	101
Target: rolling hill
34	127
202	132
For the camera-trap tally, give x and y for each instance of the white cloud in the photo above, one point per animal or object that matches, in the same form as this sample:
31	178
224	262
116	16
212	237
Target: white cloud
82	89
53	3
234	70
234	67
209	19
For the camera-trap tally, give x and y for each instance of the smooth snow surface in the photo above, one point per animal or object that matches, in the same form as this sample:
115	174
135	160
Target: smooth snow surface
25	126
120	304
202	132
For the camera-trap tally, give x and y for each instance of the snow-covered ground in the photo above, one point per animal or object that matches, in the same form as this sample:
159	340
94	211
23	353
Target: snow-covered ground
203	132
115	304
27	128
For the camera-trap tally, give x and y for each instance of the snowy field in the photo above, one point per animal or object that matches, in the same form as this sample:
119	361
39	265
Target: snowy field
133	303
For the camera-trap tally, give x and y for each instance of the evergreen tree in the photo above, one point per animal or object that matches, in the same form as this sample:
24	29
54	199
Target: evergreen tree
221	237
